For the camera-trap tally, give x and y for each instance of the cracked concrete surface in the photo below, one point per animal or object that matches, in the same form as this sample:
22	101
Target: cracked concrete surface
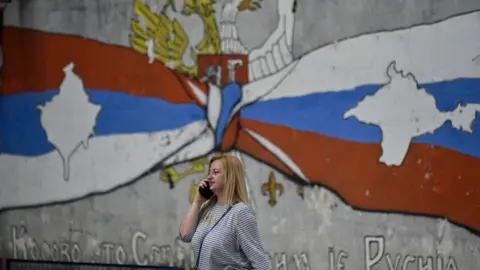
139	223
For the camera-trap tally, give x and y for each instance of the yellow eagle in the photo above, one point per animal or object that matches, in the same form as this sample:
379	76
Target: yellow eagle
170	41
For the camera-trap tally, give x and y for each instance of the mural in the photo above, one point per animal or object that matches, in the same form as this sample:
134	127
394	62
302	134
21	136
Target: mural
385	120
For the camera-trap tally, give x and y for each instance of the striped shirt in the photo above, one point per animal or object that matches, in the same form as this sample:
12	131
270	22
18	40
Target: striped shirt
234	243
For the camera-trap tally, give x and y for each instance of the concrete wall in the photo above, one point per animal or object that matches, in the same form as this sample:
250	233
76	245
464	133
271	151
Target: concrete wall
357	128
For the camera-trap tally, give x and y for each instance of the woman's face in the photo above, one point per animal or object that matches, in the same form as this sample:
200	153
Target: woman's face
216	177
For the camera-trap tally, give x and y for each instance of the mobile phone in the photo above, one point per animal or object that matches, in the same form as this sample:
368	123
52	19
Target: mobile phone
206	192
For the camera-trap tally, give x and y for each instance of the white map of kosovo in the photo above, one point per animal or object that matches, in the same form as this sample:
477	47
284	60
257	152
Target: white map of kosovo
403	111
69	118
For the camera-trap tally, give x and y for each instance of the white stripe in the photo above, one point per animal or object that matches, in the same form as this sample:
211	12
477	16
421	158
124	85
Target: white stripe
277	152
432	53
200	147
258	89
108	162
199	94
214	105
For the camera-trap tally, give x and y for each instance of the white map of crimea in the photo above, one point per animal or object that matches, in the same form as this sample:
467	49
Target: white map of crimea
69	118
403	111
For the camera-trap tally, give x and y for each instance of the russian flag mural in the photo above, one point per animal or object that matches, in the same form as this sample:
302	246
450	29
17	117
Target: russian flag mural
387	120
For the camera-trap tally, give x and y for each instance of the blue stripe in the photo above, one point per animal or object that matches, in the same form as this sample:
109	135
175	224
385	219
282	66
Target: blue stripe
22	134
323	114
231	95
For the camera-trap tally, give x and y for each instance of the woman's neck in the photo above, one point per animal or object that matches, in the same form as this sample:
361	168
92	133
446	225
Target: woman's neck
221	200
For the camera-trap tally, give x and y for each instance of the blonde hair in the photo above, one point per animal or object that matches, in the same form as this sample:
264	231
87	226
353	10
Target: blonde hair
235	186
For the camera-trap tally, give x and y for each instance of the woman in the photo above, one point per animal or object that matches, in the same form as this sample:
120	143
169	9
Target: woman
223	230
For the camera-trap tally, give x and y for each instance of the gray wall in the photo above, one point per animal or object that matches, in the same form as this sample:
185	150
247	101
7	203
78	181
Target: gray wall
139	222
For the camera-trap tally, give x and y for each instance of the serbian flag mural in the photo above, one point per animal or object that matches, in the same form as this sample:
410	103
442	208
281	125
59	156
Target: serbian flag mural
388	120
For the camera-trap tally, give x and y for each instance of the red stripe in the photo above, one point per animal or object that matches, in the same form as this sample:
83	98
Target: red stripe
34	61
245	143
1	45
431	181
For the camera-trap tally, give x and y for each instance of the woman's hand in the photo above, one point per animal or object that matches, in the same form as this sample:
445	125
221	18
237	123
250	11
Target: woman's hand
199	198
190	220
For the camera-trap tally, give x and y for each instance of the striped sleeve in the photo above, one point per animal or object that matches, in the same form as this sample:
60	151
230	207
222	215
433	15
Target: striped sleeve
248	238
188	237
